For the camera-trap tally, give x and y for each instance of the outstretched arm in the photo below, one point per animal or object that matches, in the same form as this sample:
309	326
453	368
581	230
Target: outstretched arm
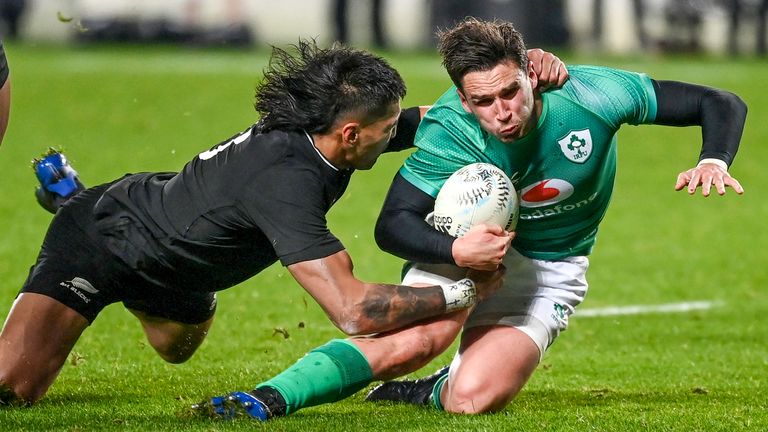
358	307
720	114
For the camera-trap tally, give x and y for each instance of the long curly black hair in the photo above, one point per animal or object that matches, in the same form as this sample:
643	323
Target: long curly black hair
310	89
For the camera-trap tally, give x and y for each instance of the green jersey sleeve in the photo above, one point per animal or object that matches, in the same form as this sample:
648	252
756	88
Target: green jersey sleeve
615	95
448	138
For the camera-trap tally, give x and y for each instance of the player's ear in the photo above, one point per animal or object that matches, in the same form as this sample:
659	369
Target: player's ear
463	100
350	133
532	76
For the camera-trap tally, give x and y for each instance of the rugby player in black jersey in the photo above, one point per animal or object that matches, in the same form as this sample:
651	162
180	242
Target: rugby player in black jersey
164	243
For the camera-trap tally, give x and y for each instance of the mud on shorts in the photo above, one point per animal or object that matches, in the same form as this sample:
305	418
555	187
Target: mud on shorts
537	296
76	269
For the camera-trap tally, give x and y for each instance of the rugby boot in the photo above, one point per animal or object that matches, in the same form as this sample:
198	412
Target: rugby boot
260	404
417	392
58	180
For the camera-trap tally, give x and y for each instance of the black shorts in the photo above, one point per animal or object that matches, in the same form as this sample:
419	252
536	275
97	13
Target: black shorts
76	269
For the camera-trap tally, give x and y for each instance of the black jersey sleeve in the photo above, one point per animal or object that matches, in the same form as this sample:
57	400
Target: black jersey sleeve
288	208
406	130
402	231
3	65
720	114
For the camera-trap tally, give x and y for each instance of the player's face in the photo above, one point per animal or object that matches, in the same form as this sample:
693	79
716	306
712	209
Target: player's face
501	99
373	137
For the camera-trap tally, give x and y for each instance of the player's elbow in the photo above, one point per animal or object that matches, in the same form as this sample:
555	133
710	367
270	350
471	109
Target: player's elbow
728	102
350	322
383	234
364	316
349	318
740	106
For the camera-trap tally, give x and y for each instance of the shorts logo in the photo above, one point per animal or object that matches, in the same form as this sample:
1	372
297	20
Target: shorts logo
576	145
545	192
80	287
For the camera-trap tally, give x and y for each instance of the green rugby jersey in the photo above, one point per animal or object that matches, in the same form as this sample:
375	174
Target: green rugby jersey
563	170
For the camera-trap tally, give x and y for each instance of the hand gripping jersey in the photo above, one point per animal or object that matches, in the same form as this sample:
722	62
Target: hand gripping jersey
564	169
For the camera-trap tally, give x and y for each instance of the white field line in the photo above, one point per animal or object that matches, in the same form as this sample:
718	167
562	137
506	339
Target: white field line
646	309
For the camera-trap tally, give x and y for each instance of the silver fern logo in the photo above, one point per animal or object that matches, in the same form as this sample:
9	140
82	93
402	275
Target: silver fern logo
80	287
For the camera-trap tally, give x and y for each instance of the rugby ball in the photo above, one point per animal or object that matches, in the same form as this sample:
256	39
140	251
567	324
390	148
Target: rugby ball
479	193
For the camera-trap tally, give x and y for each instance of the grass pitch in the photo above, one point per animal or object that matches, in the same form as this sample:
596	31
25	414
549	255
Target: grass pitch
124	110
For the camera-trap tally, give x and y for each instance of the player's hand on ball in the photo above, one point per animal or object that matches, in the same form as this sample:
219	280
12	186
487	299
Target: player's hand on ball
706	175
487	282
482	247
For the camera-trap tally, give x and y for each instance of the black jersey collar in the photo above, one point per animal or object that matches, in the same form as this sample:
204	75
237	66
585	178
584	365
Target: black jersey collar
327	162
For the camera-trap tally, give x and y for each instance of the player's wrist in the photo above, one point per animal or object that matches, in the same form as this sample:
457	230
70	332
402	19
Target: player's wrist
721	163
459	295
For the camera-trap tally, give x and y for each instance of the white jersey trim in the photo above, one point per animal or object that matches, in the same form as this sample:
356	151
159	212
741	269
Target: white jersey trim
327	162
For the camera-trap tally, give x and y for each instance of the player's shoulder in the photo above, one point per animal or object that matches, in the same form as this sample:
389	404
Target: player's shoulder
447	113
588	78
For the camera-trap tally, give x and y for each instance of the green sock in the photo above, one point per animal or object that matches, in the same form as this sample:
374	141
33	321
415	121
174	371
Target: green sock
326	374
437	390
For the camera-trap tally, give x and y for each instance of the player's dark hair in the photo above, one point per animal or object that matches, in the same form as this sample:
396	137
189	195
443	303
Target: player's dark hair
474	45
311	89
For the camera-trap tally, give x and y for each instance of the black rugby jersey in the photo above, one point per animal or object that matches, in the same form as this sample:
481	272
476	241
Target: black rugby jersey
231	212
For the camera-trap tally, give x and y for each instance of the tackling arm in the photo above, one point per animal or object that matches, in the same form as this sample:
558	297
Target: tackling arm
360	308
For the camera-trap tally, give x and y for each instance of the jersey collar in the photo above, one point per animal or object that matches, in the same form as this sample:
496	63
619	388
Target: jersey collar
312	142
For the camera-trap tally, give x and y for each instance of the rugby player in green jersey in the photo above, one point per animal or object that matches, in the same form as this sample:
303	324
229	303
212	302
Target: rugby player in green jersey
559	147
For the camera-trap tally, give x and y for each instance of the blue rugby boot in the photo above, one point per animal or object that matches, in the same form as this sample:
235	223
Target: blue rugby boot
417	392
261	404
58	180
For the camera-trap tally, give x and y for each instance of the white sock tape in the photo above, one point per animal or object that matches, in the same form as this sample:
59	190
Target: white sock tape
459	295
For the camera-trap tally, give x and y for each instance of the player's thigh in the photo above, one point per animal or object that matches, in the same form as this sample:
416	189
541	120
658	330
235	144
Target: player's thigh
492	366
176	323
36	339
537	297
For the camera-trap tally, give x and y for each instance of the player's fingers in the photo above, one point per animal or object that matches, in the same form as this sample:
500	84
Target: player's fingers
682	179
693	183
719	183
733	183
495	229
706	181
562	74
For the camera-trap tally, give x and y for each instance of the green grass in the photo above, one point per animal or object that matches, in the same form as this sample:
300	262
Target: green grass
133	109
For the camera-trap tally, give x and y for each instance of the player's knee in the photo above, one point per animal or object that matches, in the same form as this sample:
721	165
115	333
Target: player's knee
475	398
16	393
174	354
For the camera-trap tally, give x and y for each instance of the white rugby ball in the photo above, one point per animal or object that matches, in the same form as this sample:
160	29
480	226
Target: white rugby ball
479	193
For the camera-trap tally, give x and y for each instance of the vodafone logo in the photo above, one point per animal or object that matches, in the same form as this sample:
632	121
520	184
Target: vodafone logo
545	192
